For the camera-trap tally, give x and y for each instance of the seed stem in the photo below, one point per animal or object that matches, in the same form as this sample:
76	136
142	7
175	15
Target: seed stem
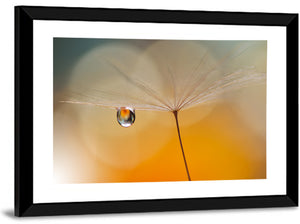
175	112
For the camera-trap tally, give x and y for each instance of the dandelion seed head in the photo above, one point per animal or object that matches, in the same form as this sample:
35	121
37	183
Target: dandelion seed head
164	76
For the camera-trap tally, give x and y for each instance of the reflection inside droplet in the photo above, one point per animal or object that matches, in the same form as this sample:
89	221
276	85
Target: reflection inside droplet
125	116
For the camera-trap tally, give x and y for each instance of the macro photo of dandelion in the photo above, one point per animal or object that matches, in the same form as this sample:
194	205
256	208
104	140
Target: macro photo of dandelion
130	110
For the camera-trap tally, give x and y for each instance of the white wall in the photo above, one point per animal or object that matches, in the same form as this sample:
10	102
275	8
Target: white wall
278	215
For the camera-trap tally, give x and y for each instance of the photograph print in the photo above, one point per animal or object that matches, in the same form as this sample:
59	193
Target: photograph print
142	110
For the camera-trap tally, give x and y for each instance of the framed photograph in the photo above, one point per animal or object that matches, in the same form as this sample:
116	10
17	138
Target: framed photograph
122	110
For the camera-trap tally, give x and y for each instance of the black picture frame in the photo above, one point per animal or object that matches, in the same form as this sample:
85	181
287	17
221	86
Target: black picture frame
24	17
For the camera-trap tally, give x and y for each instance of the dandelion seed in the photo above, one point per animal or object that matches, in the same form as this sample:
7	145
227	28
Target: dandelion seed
167	76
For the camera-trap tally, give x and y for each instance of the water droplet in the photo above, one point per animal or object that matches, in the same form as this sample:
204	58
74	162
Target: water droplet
126	116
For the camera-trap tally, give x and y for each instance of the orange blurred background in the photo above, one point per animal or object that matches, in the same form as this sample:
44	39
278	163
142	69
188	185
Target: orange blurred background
222	140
